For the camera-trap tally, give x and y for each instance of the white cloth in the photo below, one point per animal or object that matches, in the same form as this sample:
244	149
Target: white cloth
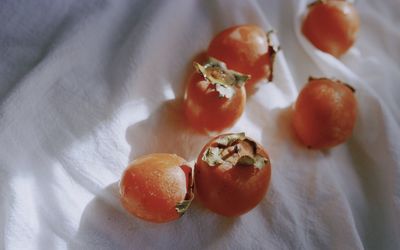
87	86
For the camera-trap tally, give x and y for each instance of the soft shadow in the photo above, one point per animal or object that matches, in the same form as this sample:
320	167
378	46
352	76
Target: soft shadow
377	217
53	34
283	126
280	130
77	101
282	207
106	225
129	37
103	224
165	131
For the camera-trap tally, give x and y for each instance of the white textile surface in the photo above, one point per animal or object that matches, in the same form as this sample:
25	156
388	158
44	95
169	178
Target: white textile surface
87	86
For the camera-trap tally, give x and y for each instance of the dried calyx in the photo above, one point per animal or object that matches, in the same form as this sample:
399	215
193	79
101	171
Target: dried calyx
182	206
310	78
234	150
325	1
225	80
315	3
273	48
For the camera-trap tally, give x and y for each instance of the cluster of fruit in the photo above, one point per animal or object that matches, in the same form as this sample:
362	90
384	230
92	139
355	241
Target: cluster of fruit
231	176
232	172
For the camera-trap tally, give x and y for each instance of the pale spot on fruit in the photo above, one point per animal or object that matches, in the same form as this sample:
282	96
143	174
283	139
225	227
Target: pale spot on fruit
347	10
193	107
254	39
236	35
203	85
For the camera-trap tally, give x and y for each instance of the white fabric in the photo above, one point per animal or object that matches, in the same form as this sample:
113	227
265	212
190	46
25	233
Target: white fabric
87	86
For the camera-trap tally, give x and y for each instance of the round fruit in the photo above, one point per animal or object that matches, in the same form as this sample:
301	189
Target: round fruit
214	97
247	49
232	174
325	113
331	26
157	187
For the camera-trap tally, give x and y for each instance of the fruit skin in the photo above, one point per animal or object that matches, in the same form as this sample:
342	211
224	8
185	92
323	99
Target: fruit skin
325	113
331	26
244	48
230	191
206	110
152	186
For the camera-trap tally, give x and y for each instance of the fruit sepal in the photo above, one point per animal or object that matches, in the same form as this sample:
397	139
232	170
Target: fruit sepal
224	79
235	150
182	206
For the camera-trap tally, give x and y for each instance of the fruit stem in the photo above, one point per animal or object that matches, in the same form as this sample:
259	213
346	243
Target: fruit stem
273	48
349	86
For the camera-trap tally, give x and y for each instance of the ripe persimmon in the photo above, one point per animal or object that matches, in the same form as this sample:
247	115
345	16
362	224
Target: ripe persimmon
157	187
331	26
325	113
247	49
214	97
232	174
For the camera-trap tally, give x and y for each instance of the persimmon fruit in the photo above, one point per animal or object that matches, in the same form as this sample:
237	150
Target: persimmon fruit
157	187
232	174
331	26
214	97
247	49
325	113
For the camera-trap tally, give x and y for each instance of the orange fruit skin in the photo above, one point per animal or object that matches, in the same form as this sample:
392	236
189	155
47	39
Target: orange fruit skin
152	185
230	192
206	111
332	26
243	48
325	114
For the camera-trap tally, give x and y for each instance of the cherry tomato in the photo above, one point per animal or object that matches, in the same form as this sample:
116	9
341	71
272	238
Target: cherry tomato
214	97
157	187
232	174
325	113
331	26
247	49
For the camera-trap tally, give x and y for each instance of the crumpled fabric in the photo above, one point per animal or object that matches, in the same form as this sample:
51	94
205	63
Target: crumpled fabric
87	86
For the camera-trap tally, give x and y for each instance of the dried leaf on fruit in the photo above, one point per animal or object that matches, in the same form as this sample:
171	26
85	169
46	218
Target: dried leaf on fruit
230	139
212	156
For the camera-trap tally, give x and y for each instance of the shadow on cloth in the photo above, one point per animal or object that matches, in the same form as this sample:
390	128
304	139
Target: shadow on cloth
106	225
165	131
